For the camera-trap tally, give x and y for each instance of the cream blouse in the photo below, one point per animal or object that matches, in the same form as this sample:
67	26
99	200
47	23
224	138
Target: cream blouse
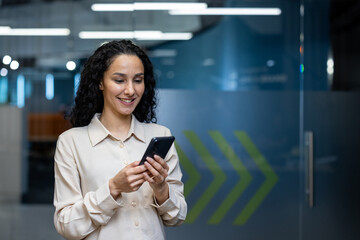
85	159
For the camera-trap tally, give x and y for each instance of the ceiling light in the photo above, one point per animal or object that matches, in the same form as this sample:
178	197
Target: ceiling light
330	62
168	6
147	35
70	65
139	35
14	65
227	11
34	31
3	72
146	6
176	36
105	35
112	7
6	60
4	28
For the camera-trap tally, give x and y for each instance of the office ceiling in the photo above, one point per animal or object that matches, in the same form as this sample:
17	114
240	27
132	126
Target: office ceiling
54	52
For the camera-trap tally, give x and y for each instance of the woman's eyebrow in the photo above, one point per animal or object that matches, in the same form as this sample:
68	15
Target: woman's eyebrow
123	74
119	74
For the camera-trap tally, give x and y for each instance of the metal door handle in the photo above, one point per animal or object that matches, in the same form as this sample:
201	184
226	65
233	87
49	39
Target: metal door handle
309	165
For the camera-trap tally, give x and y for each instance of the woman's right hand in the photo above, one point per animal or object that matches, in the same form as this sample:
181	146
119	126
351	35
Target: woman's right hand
129	179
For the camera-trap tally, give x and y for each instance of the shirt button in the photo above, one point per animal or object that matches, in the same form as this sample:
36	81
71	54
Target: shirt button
121	145
133	204
137	223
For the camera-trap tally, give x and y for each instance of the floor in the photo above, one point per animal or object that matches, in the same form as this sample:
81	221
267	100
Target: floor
27	221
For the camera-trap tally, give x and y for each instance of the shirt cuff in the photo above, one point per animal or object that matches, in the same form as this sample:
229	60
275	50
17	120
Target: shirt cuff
105	201
168	205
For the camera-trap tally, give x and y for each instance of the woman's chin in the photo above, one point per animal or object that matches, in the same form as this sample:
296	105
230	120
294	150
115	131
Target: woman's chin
126	112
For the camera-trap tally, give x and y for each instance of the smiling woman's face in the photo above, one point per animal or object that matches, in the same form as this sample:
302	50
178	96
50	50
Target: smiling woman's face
123	85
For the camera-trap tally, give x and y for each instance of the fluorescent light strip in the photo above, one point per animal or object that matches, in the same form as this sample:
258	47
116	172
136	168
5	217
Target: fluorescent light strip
4	28
168	6
139	35
147	35
128	7
105	35
228	11
176	36
113	7
34	31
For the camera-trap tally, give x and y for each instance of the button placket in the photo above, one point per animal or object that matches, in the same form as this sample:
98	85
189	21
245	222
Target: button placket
123	151
125	154
135	212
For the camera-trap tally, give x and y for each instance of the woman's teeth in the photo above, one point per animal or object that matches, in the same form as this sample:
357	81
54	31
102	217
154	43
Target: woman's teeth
127	100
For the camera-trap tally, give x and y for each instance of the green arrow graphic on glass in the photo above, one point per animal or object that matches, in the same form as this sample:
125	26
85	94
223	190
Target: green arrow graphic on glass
241	185
270	181
194	176
215	185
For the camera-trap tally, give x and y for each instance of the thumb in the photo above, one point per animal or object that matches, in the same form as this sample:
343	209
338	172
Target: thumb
134	164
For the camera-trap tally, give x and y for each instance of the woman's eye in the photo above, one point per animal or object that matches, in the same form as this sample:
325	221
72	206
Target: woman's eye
138	80
119	80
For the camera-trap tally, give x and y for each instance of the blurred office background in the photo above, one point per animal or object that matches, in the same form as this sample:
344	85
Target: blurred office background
263	97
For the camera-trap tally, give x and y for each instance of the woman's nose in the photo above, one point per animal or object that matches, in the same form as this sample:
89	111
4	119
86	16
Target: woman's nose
129	88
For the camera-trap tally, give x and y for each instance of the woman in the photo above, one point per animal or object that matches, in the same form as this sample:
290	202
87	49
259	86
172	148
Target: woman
101	191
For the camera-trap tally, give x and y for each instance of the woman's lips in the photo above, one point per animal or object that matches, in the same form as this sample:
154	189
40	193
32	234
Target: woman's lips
127	101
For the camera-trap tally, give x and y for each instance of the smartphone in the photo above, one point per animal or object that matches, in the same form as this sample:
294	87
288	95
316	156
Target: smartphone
158	146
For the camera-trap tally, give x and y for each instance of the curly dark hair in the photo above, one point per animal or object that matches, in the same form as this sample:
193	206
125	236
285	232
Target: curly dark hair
89	98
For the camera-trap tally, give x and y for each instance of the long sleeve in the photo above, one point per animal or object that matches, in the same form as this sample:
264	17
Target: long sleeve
76	216
173	211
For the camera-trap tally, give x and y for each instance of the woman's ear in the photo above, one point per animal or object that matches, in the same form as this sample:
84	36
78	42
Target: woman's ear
101	86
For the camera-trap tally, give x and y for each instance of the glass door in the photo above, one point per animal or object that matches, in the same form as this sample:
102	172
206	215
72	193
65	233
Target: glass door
231	97
331	120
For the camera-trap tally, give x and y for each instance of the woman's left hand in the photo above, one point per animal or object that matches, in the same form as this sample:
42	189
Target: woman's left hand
158	169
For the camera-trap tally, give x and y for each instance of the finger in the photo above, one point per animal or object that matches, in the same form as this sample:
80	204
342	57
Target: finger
148	178
128	169
155	173
158	167
154	163
137	184
134	178
137	169
149	173
134	164
162	162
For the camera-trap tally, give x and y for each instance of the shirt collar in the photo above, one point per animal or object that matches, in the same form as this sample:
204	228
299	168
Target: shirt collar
136	129
98	132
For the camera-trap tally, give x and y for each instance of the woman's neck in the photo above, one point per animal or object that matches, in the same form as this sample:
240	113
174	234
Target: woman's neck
118	125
